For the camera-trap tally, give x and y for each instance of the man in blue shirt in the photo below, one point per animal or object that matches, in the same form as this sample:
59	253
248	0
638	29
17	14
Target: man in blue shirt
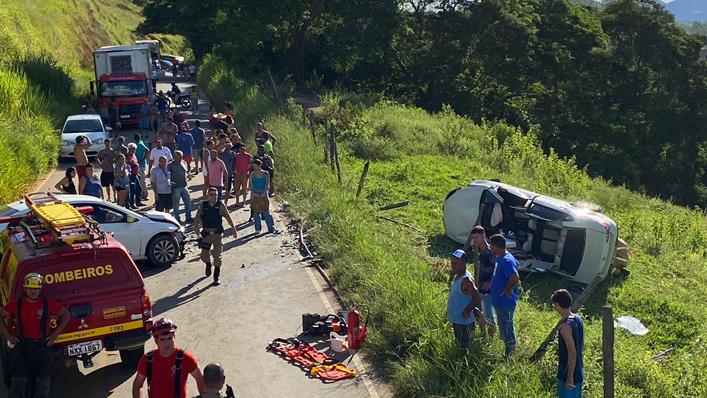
163	106
198	134
504	290
185	142
463	300
570	365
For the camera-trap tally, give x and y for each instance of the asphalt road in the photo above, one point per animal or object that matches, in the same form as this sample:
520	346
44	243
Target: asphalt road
265	287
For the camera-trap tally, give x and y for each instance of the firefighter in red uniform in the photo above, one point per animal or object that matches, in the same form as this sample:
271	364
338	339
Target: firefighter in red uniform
38	322
166	369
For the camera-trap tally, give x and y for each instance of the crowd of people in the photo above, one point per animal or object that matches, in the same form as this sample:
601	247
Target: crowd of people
492	304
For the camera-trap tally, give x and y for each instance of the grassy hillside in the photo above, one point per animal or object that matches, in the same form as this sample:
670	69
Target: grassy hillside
45	67
399	273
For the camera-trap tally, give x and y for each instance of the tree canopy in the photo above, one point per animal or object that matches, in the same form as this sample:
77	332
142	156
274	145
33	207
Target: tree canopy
622	88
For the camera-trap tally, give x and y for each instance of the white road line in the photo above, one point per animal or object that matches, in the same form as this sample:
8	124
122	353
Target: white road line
330	309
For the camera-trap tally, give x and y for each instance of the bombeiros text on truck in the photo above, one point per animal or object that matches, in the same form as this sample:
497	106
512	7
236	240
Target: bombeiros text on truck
85	270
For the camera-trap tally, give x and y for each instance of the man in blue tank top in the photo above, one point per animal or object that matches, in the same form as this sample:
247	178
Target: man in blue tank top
570	367
463	300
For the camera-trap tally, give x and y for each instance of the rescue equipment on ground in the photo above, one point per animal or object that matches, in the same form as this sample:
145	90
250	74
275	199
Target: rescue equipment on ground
316	324
316	364
356	333
337	342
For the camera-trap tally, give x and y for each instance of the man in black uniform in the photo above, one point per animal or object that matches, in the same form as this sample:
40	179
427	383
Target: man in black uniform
38	321
210	216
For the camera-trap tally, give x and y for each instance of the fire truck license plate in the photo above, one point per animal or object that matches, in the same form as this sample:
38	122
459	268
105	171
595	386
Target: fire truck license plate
85	348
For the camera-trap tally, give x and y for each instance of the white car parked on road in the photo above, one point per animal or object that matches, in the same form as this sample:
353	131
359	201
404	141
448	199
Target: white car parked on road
151	235
544	234
89	125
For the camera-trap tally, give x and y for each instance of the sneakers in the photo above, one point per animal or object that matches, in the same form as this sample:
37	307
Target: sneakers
207	271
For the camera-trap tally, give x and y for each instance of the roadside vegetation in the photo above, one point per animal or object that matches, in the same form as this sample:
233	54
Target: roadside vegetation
399	274
45	68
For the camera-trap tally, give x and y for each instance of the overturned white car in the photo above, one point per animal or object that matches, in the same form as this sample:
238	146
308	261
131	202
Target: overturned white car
544	234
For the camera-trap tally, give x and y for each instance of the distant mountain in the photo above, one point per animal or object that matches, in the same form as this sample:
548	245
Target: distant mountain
688	10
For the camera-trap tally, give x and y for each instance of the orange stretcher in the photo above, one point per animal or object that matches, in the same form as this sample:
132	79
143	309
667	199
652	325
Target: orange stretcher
316	364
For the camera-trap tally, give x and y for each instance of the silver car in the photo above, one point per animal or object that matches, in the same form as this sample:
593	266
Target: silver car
574	240
88	125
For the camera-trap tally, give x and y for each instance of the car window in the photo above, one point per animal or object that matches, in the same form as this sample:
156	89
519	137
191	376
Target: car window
8	211
545	212
83	126
104	214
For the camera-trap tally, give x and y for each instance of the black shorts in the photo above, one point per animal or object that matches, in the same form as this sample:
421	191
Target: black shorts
107	179
30	358
164	202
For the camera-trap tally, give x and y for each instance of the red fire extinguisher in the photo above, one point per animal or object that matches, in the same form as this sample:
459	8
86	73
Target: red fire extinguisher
356	333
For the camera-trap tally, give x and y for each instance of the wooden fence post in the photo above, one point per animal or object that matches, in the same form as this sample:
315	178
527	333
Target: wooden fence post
332	149
362	180
326	141
608	350
336	154
311	127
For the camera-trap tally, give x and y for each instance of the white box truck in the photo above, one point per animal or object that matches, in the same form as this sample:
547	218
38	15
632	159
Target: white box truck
124	74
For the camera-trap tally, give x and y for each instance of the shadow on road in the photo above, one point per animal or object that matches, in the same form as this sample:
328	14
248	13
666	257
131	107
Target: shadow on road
179	298
103	381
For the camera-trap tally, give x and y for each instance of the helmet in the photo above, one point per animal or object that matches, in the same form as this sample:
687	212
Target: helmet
163	326
33	280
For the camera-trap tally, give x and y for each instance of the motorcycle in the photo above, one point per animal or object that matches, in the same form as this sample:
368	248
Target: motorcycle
181	100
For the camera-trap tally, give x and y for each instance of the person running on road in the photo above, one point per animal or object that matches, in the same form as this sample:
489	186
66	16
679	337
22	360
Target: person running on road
185	143
214	380
210	215
259	201
504	290
142	153
463	300
180	174
90	184
570	353
30	349
66	184
122	181
162	185
242	177
166	368
82	143
217	172
155	154
199	135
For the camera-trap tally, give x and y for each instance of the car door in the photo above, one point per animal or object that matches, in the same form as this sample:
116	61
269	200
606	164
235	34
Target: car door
115	220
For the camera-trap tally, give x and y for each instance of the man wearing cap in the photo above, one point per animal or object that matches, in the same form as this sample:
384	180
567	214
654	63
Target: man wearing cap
38	321
166	368
214	380
463	300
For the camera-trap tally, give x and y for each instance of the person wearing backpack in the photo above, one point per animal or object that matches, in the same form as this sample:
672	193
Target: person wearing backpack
166	368
38	322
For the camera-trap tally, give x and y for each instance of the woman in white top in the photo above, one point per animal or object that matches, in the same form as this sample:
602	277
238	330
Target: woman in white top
204	170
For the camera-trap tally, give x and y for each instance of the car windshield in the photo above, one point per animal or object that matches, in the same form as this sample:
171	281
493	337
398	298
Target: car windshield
123	89
82	126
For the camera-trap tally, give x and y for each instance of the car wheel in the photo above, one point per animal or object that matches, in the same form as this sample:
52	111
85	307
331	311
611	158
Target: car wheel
163	250
130	358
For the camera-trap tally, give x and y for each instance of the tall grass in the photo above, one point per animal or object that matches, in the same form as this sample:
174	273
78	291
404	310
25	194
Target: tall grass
399	274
